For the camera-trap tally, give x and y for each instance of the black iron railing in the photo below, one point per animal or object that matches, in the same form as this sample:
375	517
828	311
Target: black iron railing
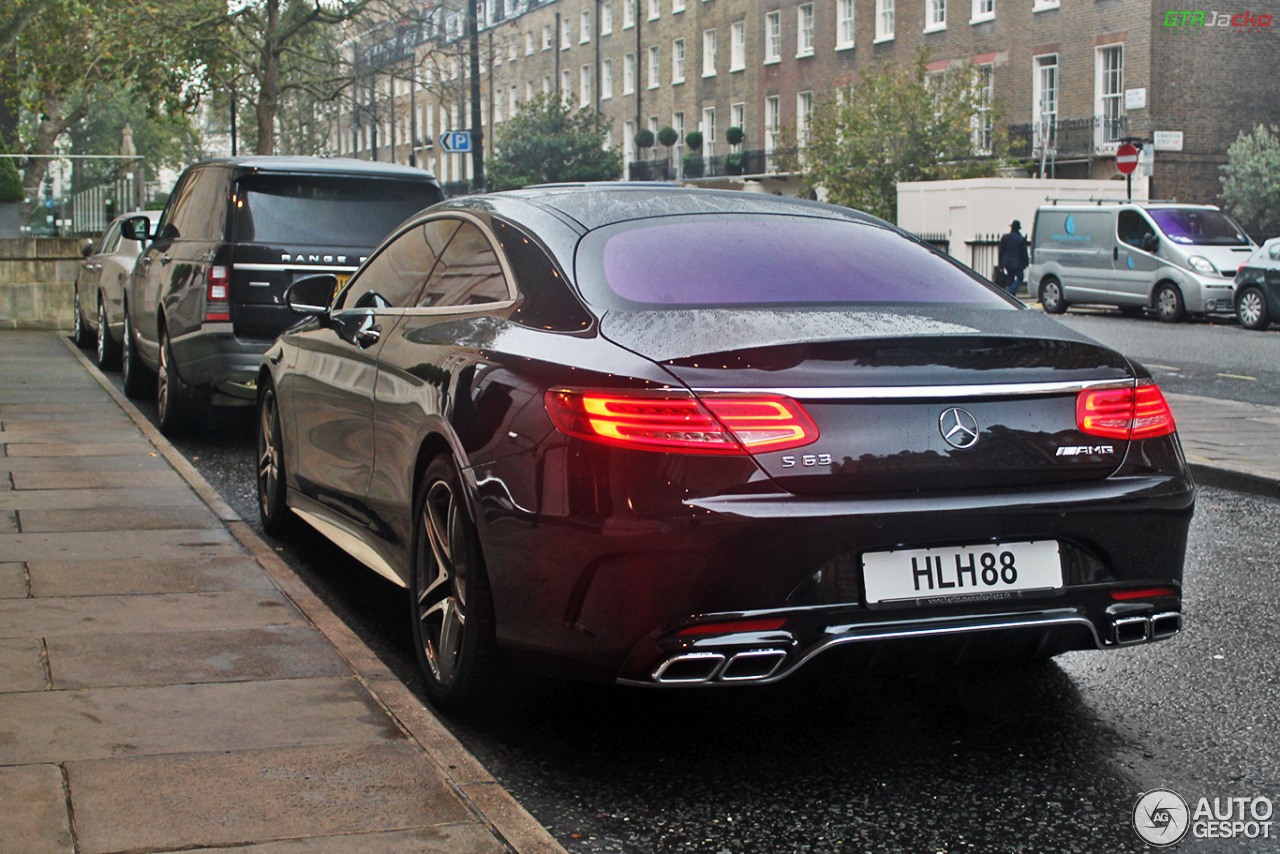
1067	137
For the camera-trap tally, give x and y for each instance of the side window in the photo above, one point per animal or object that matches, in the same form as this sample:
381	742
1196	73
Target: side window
468	273
201	213
178	199
1132	227
392	278
1274	251
110	240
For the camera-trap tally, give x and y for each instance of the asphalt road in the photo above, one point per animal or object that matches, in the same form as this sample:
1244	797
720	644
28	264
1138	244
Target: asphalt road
852	757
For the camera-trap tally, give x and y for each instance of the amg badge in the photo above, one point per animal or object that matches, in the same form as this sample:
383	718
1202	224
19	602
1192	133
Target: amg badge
1078	450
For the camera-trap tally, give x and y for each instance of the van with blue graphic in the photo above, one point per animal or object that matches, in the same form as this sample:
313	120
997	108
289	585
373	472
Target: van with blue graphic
1172	259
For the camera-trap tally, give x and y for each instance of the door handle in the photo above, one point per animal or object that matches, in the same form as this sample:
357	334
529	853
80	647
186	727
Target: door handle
146	260
165	259
366	338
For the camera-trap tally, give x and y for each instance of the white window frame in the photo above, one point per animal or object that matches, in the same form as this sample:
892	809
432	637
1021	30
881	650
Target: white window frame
772	38
629	74
709	53
655	66
546	84
983	124
845	21
772	122
528	44
677	61
885	20
629	142
935	16
584	86
566	32
655	9
584	26
738	119
677	6
804	30
1043	5
606	18
1039	65
677	124
804	117
606	79
546	37
1105	79
738	46
708	128
983	11
629	13
528	90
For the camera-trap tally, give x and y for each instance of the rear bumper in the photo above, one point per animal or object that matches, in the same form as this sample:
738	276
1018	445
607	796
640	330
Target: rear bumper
213	357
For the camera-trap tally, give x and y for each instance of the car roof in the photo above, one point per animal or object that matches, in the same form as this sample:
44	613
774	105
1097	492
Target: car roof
320	165
597	205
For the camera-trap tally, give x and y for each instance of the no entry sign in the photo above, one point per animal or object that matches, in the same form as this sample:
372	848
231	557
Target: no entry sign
1126	158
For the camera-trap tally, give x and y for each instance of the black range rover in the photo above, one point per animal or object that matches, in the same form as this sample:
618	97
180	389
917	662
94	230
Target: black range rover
206	297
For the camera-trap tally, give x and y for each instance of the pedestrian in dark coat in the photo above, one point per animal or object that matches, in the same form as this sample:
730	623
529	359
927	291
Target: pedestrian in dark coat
1013	256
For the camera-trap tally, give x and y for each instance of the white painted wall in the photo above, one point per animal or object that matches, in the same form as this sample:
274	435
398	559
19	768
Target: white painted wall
965	208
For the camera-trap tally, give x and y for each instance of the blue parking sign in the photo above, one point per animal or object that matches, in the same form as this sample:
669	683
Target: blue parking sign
456	141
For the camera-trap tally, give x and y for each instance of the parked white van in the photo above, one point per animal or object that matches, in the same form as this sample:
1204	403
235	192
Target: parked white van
1175	259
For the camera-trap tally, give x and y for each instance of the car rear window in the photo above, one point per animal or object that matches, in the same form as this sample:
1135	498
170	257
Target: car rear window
297	210
768	260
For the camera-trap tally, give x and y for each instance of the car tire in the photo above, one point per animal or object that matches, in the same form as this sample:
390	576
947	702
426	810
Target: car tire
1168	301
452	605
1051	296
180	408
273	506
1251	309
138	381
80	333
108	351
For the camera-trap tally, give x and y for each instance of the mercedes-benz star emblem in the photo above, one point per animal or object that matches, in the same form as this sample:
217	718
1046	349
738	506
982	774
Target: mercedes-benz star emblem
959	428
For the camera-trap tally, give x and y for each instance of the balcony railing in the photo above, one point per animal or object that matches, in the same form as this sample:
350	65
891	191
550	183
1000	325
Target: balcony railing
1067	137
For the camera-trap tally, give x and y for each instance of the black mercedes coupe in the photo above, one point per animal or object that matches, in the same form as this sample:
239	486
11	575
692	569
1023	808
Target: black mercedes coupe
677	437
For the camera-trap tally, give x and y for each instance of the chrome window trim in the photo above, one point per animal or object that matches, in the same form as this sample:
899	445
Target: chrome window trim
323	268
932	392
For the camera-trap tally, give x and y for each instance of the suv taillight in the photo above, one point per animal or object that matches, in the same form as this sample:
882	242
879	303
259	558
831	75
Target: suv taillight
1124	413
682	423
218	295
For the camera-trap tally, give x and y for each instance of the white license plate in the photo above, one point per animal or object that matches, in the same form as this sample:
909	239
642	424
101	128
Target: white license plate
990	569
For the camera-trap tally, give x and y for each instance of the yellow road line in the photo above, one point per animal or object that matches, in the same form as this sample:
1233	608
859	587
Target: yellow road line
1238	377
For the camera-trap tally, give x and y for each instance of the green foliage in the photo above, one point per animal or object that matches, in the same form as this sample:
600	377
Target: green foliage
10	180
734	135
693	139
545	142
162	140
1251	180
899	123
644	138
668	136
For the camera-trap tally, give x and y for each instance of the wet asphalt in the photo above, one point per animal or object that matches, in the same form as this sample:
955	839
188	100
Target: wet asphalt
876	757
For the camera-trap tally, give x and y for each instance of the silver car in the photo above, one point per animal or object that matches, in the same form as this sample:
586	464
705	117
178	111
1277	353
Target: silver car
99	290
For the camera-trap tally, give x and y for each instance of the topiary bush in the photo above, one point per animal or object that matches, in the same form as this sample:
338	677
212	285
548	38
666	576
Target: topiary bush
734	135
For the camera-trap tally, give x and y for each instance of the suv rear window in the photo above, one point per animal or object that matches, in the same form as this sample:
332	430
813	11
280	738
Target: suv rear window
709	261
295	210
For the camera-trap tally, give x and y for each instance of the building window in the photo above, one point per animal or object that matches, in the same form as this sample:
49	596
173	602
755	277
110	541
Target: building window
804	30
546	84
708	53
772	122
628	14
983	124
804	116
528	90
935	16
606	18
655	66
677	124
738	119
584	86
654	9
677	5
528	44
1110	85
738	46
584	26
628	141
546	37
884	20
709	131
566	84
1045	99
606	79
512	50
628	74
844	24
773	37
983	10
677	61
1042	5
565	35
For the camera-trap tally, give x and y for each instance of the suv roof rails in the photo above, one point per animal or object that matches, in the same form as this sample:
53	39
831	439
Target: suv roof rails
1095	200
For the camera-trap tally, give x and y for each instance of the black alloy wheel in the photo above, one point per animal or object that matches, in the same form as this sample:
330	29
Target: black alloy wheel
80	333
1051	296
1251	308
1169	305
108	351
138	384
272	506
181	408
453	626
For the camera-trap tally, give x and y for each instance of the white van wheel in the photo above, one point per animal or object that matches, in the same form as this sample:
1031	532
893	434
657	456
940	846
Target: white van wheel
1169	305
1051	296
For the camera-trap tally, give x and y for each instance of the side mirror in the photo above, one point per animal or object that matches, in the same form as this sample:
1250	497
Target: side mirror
136	228
311	295
86	248
1150	242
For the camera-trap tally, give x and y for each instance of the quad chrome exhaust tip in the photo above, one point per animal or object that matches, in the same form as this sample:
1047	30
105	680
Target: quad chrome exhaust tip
693	668
1129	631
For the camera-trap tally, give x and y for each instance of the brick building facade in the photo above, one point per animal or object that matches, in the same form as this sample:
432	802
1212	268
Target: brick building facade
1068	79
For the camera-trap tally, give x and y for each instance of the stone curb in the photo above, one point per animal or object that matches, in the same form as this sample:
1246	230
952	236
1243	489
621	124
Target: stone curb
488	800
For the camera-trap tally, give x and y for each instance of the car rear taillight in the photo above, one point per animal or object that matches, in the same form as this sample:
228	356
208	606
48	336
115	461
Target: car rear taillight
1124	413
672	421
218	296
1142	593
766	625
